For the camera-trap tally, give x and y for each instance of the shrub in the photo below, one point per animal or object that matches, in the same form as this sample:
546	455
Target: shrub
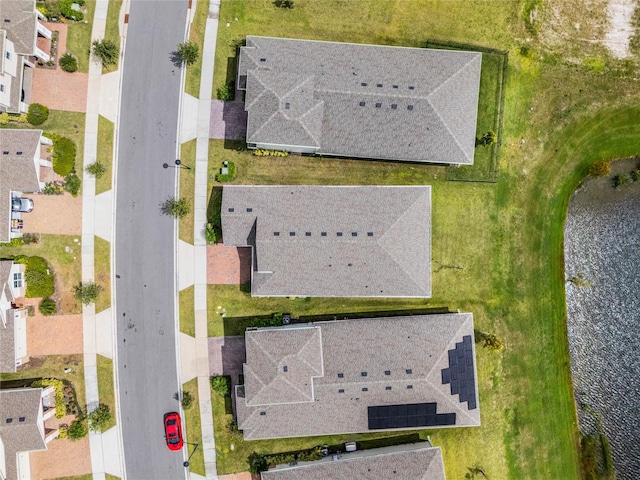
261	152
70	13
63	432
96	169
600	169
72	184
188	52
257	462
187	400
64	155
68	63
284	4
492	342
30	238
106	51
47	307
38	114
227	93
273	321
14	242
210	234
488	138
221	385
78	429
310	455
99	418
4	118
635	175
50	9
176	207
228	176
58	386
620	180
38	277
87	292
52	188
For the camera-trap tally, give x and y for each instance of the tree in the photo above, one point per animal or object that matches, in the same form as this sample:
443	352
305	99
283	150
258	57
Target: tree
96	169
37	114
187	400
188	52
220	385
257	463
106	51
620	180
77	430
176	207
100	418
210	234
87	292
72	184
600	169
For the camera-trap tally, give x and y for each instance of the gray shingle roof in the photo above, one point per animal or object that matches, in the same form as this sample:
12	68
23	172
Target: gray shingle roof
7	340
365	101
22	26
367	362
20	436
17	172
330	241
414	462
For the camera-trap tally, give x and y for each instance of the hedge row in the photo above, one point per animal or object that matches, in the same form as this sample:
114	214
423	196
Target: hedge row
260	152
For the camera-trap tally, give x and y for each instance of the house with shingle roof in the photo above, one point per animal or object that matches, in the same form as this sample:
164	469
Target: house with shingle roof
332	241
357	376
20	28
418	461
13	317
22	156
363	101
23	413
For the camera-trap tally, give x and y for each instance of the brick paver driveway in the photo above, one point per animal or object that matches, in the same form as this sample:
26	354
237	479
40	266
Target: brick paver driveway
228	265
55	214
56	88
228	119
54	335
62	458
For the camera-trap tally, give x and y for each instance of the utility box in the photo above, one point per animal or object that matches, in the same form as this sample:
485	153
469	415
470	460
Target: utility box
350	447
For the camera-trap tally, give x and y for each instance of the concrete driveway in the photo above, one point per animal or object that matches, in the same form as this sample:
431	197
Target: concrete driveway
55	214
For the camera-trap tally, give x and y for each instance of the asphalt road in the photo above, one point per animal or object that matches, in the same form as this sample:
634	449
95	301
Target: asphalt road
145	240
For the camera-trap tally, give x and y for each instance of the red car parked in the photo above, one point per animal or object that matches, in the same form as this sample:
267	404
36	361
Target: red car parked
173	430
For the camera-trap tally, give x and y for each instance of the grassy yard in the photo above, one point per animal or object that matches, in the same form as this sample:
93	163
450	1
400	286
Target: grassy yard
194	428
105	153
105	387
52	367
196	35
112	31
187	312
66	266
79	36
497	247
88	476
102	266
187	189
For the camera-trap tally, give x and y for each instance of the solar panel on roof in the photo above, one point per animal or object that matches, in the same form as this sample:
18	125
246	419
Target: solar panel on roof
460	374
407	415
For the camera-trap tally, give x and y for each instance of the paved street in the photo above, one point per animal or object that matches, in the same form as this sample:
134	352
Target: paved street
145	239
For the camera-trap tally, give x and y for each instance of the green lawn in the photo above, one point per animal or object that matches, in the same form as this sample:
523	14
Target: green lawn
79	36
187	189
105	153
52	366
194	429
105	387
88	476
196	35
102	266
497	247
66	268
112	31
187	312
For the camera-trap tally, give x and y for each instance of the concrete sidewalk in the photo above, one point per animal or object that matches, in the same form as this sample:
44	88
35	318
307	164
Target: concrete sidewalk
106	448
194	270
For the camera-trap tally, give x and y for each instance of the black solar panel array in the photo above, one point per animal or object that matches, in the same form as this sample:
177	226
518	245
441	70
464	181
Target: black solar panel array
408	415
460	373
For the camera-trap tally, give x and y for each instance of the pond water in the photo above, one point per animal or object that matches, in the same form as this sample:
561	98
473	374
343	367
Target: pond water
602	249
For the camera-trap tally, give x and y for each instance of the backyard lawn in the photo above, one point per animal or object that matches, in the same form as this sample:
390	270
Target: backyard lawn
497	247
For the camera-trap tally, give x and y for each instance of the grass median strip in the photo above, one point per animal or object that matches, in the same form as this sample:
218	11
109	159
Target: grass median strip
196	35
105	154
112	30
187	190
105	387
194	429
187	312
102	266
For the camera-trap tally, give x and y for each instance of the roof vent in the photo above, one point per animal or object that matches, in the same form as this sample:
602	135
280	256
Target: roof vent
394	106
411	87
263	59
323	234
339	234
395	86
409	371
22	419
379	85
287	105
308	234
9	420
18	153
341	390
409	107
7	20
409	387
231	209
362	104
363	84
276	234
363	374
387	372
5	152
388	387
263	413
354	234
285	369
378	105
341	375
365	389
249	209
369	234
292	234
